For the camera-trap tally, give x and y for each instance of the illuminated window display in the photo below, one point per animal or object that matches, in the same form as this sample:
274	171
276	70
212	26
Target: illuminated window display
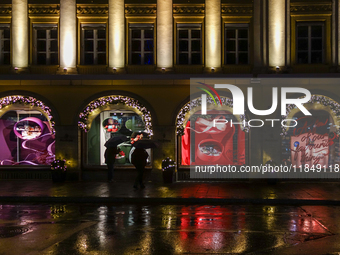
204	144
315	139
114	123
26	138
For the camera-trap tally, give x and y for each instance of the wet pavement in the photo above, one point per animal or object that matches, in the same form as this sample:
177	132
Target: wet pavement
168	229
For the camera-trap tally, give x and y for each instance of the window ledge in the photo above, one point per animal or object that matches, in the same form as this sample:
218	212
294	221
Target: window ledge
189	69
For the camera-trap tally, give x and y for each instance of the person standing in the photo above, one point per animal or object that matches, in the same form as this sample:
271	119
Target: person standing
138	159
110	157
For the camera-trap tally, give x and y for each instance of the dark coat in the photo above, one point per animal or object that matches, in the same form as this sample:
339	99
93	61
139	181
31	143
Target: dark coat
110	154
139	157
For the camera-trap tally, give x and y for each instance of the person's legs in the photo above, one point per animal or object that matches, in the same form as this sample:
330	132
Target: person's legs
110	167
139	178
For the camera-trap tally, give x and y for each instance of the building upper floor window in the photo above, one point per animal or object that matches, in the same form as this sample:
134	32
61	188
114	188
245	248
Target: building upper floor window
236	45
189	44
310	43
93	44
45	44
141	44
5	48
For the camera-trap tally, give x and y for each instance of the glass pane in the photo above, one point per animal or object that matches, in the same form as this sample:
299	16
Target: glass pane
243	45
101	33
196	58
302	57
231	33
196	45
136	33
316	31
41	34
230	59
316	57
243	33
196	33
41	45
88	59
7	45
6	58
231	45
7	33
183	59
136	45
148	59
54	34
148	33
302	44
101	59
243	58
183	34
316	44
183	45
148	45
102	45
88	34
302	31
54	45
54	59
136	59
41	59
88	45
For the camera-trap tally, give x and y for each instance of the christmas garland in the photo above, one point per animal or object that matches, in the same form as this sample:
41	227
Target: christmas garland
112	100
17	99
196	103
323	100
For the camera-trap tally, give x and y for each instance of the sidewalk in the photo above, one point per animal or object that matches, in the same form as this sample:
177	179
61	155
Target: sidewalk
256	192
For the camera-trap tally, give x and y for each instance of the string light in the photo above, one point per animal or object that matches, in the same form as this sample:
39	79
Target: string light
112	100
323	100
18	99
180	125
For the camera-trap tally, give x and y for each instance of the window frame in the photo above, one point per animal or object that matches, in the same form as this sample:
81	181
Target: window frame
235	26
35	39
6	26
315	18
142	27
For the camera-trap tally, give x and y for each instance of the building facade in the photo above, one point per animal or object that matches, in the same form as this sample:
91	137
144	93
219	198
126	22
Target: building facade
75	73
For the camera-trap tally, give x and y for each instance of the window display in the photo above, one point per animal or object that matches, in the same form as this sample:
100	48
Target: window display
110	124
203	142
26	138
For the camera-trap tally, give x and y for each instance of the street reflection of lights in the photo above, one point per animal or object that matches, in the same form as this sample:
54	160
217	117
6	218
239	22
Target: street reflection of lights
82	243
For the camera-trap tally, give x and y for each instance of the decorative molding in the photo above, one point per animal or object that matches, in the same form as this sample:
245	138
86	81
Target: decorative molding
188	9
92	9
5	9
141	9
236	9
43	9
312	7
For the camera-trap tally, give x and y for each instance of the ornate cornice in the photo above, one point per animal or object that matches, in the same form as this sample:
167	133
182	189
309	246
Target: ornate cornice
5	9
43	9
140	9
237	9
312	7
188	9
93	9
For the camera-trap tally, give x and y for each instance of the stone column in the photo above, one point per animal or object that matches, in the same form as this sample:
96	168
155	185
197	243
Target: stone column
164	34
116	34
212	34
68	36
276	33
20	34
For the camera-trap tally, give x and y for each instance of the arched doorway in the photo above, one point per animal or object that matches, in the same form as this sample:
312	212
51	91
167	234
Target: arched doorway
27	128
110	116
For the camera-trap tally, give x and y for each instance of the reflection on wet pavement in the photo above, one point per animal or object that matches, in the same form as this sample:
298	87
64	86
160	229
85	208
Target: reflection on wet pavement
170	229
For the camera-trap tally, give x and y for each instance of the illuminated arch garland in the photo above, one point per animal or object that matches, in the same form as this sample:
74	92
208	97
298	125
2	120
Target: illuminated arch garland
112	100
18	99
323	100
198	102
